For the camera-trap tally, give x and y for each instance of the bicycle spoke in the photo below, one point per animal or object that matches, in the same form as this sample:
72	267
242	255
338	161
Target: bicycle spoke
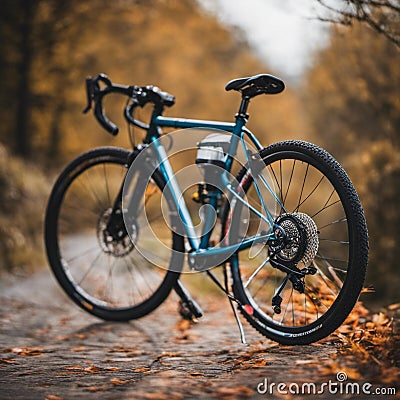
302	188
90	268
265	280
319	301
85	253
106	181
312	299
292	309
334	241
104	296
331	259
326	202
279	199
324	208
325	280
96	197
312	191
343	271
129	269
138	286
344	219
287	304
280	186
290	181
276	179
253	275
142	274
81	210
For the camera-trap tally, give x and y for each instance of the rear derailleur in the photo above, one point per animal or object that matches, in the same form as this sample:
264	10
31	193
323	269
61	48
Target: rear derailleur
295	275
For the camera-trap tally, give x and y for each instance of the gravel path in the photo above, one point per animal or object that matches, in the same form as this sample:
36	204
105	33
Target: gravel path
49	349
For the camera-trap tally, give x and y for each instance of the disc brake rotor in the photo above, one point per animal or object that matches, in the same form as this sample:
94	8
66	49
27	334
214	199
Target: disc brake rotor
118	247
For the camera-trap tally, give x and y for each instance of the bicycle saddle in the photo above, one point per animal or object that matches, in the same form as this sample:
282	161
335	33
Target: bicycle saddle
257	84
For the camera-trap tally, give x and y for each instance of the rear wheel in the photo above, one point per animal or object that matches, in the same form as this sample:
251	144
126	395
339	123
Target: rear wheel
299	289
106	271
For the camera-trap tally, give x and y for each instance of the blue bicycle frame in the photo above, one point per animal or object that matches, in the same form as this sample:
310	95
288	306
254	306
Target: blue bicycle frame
200	246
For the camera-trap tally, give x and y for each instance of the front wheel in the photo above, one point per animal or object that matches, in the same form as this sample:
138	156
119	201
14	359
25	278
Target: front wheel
325	244
99	265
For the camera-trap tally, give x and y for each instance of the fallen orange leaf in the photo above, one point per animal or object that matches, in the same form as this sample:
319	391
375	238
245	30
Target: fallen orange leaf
92	368
7	361
116	381
27	351
82	348
101	388
141	369
53	397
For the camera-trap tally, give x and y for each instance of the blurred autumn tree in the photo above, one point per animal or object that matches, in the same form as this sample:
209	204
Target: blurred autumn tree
29	34
353	98
382	16
49	47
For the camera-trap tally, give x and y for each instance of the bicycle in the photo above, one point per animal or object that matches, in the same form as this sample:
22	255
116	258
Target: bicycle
295	274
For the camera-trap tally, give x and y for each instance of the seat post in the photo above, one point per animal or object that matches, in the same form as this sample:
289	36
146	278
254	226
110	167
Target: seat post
242	113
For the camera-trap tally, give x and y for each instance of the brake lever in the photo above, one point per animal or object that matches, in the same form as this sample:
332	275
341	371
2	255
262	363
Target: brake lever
103	78
93	87
89	95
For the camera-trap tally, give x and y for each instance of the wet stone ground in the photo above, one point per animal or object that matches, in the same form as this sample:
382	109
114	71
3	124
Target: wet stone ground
49	349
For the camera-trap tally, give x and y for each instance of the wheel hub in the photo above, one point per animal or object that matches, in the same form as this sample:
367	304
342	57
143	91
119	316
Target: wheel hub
118	244
300	241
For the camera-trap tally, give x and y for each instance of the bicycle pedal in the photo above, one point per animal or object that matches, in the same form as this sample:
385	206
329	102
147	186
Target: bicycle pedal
190	310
